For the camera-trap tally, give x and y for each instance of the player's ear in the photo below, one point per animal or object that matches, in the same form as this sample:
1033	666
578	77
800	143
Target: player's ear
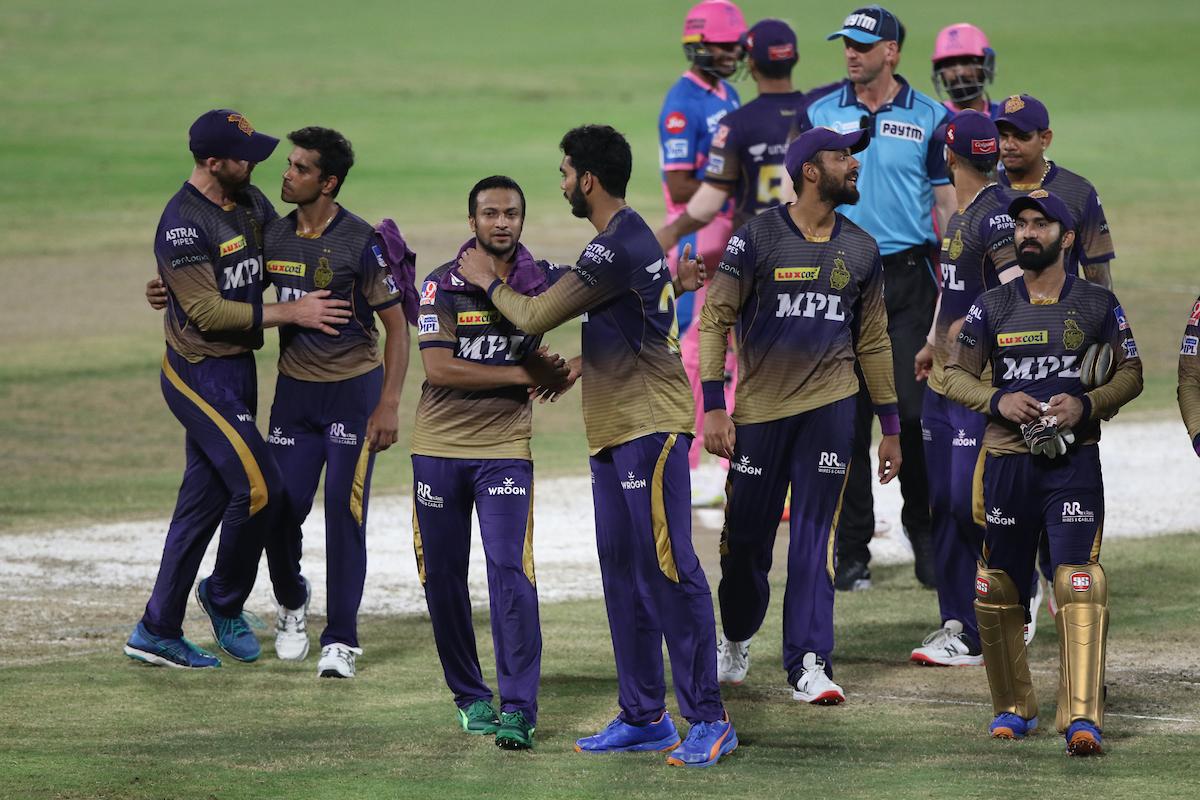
1047	136
471	222
331	184
1068	240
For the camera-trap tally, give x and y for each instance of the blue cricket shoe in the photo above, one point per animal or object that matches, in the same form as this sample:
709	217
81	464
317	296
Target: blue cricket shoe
160	651
1083	739
233	633
1012	726
621	737
706	742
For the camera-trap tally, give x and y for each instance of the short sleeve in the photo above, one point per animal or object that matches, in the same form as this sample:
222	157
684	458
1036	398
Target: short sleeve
436	323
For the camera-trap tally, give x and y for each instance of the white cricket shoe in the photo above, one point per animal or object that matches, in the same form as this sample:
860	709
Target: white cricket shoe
1035	603
291	629
814	686
947	647
337	661
733	661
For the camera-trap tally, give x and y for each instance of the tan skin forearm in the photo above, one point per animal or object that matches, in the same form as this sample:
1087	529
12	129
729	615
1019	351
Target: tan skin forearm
443	369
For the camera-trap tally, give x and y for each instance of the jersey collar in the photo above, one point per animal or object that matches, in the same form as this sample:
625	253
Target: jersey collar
791	223
1062	295
719	90
903	98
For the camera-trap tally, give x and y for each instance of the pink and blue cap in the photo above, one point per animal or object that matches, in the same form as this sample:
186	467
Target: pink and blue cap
961	40
714	21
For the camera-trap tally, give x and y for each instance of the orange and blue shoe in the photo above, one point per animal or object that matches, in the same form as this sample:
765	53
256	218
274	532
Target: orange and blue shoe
1012	726
1083	739
706	742
621	737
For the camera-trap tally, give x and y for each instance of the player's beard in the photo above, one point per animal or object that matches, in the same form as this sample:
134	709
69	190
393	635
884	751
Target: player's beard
836	192
503	253
579	203
1041	258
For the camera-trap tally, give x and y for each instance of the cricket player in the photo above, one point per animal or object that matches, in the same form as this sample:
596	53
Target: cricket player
336	397
471	450
1025	135
1189	376
637	411
1063	358
803	287
903	177
964	64
977	254
209	250
712	41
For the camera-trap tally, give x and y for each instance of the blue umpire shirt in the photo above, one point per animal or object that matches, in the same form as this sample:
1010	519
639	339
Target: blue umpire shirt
900	167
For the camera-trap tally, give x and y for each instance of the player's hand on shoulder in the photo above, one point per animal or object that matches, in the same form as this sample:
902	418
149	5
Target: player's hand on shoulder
720	436
319	311
156	293
1019	407
476	267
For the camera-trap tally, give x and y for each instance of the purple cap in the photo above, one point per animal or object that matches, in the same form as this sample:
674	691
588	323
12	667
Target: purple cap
814	140
1025	113
224	133
870	25
971	134
1051	205
771	41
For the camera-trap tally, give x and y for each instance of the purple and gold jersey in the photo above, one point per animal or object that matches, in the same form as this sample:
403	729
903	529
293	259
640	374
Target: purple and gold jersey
486	423
977	247
345	260
633	379
1189	373
210	259
1093	242
805	311
1035	348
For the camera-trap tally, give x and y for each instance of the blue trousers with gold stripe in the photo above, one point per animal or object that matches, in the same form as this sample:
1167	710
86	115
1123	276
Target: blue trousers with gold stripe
313	426
501	491
654	586
230	479
1025	495
811	451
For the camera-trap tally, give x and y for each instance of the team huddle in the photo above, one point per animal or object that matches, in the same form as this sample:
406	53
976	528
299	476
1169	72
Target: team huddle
872	261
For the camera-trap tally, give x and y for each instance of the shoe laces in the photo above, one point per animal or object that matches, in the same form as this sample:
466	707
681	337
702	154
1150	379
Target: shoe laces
287	622
513	718
700	731
936	637
481	709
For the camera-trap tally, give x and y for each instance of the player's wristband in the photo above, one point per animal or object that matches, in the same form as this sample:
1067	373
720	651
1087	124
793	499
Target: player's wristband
714	395
889	423
492	288
994	403
1086	414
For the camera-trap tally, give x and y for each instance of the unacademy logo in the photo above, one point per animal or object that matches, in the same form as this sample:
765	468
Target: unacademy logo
633	483
962	439
277	437
745	467
507	487
996	517
830	464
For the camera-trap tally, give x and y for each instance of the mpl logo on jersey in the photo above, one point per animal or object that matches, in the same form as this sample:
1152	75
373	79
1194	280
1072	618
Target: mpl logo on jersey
633	482
996	517
809	304
797	273
288	294
242	273
296	269
1080	581
478	317
829	464
338	434
278	438
744	466
1022	337
232	246
1038	367
1073	511
507	486
483	348
426	497
950	279
675	122
962	440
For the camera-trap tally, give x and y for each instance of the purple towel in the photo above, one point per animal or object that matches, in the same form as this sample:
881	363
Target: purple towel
526	277
403	262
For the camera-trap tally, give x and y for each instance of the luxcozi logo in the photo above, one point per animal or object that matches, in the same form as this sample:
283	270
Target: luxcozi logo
633	482
809	304
830	464
1024	368
426	497
243	273
507	486
744	466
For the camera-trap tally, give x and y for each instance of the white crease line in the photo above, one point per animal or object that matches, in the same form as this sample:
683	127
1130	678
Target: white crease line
944	702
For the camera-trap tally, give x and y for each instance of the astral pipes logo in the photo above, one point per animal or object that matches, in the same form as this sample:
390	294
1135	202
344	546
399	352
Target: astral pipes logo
633	482
507	487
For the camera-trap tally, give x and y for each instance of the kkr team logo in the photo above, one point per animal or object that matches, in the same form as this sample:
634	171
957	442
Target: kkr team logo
830	464
956	245
840	277
1072	335
324	274
426	497
633	482
744	466
507	486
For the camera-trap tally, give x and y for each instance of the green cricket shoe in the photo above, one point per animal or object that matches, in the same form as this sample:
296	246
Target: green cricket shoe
515	731
479	718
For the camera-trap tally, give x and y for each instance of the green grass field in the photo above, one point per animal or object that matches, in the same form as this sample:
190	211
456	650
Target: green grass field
98	98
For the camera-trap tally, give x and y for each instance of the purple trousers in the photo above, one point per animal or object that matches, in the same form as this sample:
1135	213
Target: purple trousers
654	586
811	451
317	426
1025	495
501	492
953	449
230	480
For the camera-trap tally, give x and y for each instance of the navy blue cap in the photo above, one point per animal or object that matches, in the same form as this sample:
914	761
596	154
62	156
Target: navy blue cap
771	41
1051	205
870	25
971	134
1025	113
814	140
224	133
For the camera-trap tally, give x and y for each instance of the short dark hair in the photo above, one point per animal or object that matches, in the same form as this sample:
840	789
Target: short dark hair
602	151
776	69
984	165
336	155
494	182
